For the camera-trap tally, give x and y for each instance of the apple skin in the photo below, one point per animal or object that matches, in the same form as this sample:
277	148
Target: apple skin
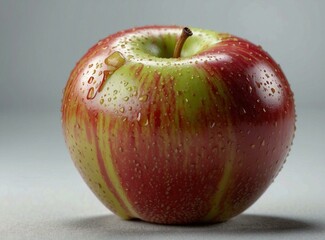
177	140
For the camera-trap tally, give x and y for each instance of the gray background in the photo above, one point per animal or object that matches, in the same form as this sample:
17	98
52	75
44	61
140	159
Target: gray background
42	195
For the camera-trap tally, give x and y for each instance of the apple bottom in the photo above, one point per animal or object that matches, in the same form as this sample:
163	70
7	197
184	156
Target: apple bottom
202	177
179	175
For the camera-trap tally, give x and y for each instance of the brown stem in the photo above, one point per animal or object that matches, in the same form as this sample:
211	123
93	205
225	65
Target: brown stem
186	32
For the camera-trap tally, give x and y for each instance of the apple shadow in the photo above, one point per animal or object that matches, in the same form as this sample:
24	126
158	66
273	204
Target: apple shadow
249	224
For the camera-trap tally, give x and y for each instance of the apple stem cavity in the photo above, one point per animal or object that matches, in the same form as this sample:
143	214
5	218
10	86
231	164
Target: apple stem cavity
186	32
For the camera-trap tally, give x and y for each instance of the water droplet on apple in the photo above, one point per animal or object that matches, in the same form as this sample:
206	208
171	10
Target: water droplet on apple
113	62
122	109
126	98
244	110
90	80
143	98
91	93
139	116
101	101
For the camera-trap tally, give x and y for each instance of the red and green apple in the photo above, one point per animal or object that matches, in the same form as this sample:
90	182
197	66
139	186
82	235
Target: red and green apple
174	129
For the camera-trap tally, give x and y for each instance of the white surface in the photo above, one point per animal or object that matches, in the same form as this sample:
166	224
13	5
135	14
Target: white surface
42	195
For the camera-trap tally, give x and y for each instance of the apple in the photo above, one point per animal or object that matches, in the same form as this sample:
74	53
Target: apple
174	129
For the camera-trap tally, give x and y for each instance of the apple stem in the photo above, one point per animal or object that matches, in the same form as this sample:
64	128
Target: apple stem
186	32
